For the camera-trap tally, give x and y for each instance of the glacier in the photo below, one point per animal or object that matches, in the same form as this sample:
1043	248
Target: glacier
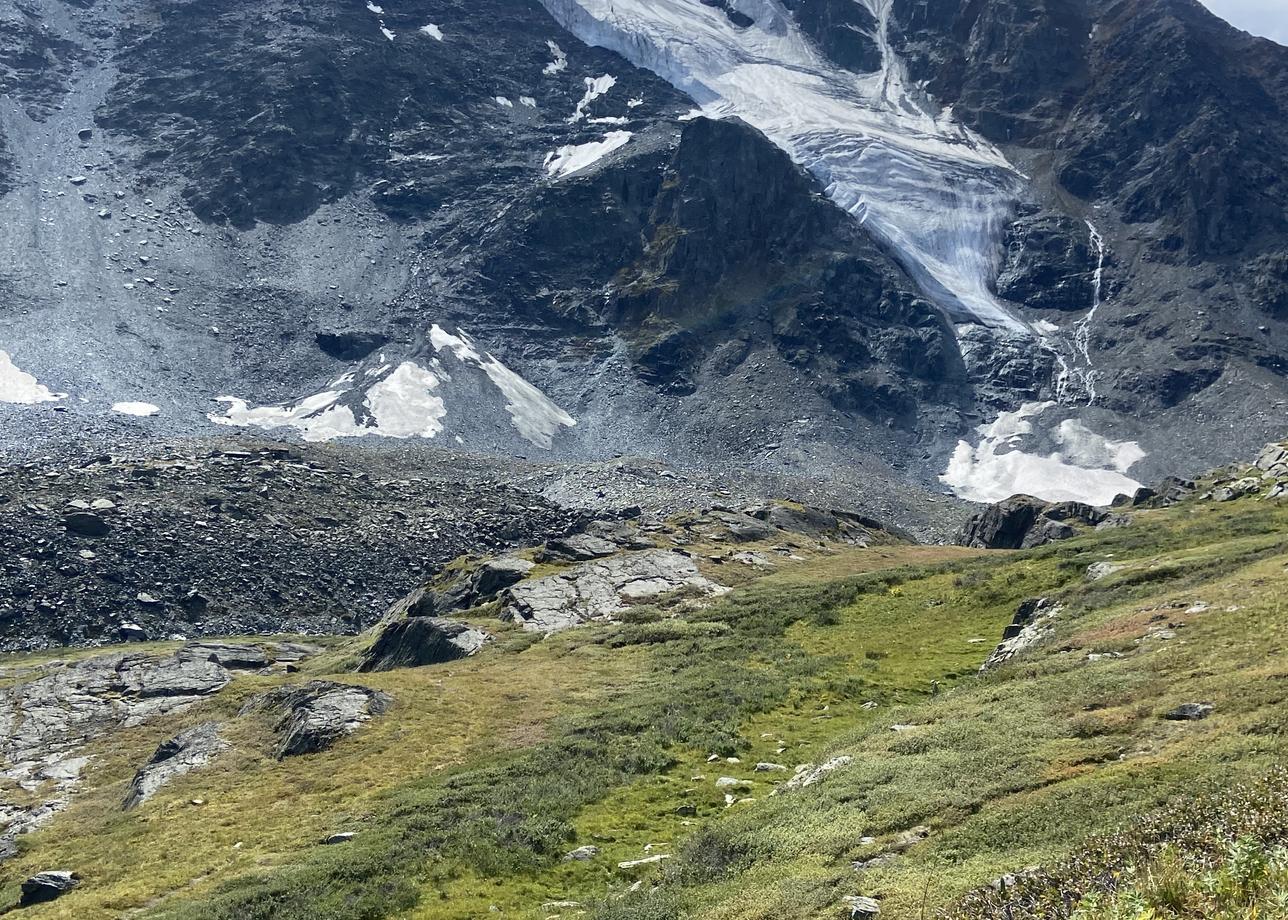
937	195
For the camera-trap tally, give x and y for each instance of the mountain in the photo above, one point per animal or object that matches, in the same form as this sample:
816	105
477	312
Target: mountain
999	242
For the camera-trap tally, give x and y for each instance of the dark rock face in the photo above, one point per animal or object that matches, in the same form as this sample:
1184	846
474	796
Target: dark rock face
418	641
1003	525
842	30
739	238
1049	264
340	103
1023	522
316	715
477	585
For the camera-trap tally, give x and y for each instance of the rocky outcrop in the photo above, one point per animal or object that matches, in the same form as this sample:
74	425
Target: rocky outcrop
601	589
181	754
228	655
314	716
413	642
1023	522
1031	624
46	721
1049	264
476	585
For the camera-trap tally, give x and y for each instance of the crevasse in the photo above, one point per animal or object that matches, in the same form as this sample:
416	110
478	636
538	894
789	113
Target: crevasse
937	195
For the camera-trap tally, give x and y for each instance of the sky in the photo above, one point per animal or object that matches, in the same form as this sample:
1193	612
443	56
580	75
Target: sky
1260	17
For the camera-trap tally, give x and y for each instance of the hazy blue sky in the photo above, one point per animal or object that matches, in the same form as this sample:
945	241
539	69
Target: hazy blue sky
1260	17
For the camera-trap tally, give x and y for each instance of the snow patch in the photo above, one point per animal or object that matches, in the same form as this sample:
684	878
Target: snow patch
560	62
575	157
140	409
385	32
528	101
595	87
375	8
403	405
17	386
1087	468
536	417
432	31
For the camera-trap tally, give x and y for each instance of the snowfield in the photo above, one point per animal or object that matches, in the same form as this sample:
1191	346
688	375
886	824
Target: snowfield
1087	467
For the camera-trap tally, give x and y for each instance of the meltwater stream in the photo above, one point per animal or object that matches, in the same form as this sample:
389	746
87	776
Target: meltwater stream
935	193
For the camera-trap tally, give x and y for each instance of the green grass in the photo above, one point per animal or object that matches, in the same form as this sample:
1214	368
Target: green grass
469	793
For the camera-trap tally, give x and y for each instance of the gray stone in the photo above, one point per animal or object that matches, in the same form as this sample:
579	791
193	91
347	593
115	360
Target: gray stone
316	715
86	523
1030	625
860	906
344	837
810	774
476	586
47	886
601	589
1189	712
1101	570
181	754
1237	489
230	655
1047	531
581	547
417	641
581	854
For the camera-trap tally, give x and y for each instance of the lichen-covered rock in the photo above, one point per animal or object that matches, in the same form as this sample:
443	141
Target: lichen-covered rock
1029	627
478	585
601	589
316	715
416	641
46	722
181	754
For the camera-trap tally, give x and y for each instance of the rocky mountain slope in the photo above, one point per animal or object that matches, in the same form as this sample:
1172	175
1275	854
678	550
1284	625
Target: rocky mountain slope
602	228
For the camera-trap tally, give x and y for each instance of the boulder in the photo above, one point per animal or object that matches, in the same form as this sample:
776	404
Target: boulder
582	854
601	589
1100	570
1028	627
1189	712
1273	459
181	754
47	886
859	907
1237	489
86	524
1047	531
1023	522
417	641
316	715
1003	525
